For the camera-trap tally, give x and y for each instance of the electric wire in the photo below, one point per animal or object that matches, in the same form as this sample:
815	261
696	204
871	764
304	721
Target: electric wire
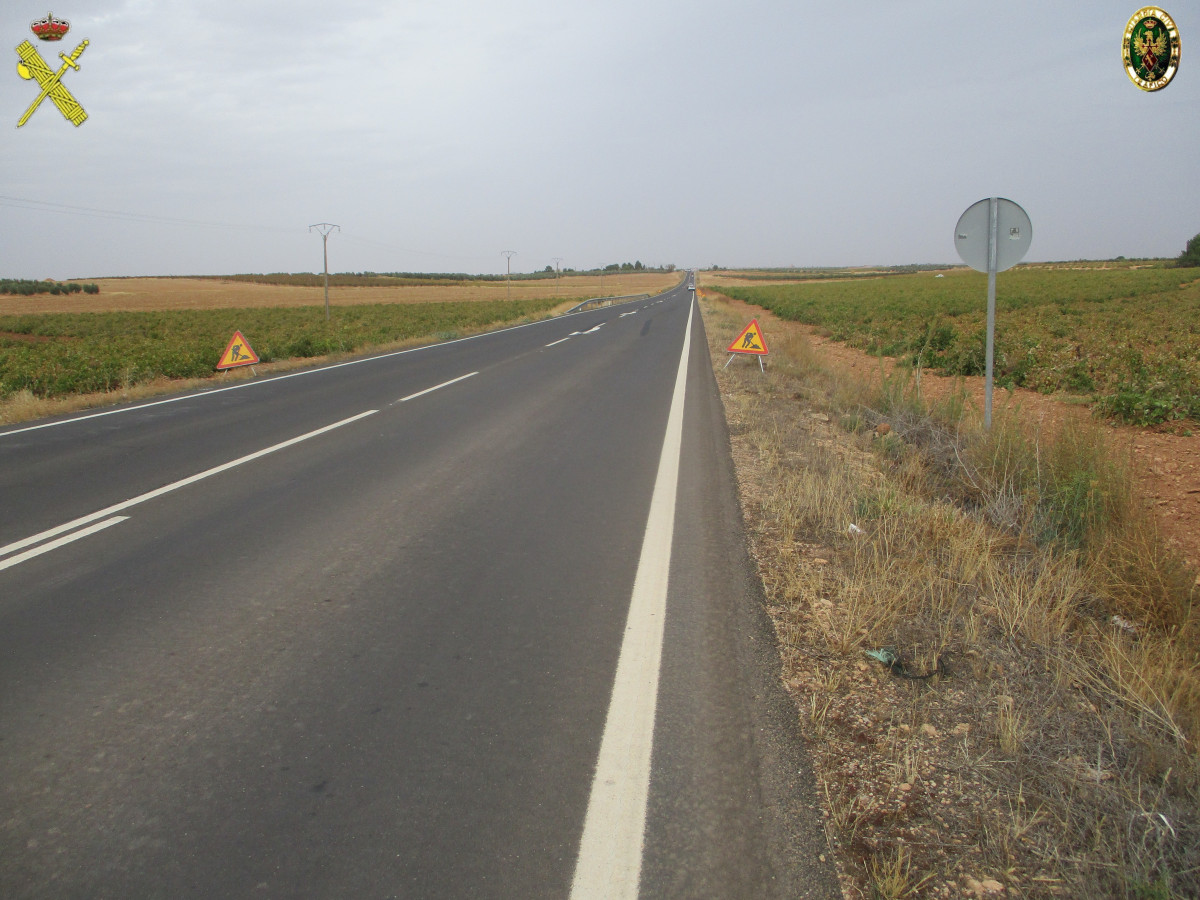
152	219
123	216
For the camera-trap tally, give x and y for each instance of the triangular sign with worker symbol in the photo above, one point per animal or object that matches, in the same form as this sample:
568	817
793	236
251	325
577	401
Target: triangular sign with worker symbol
749	341
238	353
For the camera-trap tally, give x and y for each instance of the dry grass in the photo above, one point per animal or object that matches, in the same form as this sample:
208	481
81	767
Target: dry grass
203	293
1052	749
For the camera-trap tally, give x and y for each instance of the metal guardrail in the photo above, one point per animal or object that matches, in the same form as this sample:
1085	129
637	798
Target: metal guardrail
597	302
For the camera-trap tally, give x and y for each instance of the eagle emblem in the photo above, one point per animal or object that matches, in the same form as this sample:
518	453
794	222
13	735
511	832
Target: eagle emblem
1151	49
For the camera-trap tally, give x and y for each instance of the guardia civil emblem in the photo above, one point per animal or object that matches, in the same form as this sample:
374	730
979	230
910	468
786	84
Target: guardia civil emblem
1151	49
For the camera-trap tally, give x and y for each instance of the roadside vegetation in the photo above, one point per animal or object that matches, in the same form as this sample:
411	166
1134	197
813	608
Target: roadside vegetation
995	657
1125	338
59	354
144	336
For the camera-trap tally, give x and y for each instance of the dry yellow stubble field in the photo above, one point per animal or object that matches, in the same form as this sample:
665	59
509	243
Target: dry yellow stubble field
143	294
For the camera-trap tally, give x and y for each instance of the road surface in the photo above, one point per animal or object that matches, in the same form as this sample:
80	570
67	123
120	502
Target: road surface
356	632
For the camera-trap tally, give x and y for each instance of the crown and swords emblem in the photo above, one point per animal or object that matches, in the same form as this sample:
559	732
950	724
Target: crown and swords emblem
33	68
1150	48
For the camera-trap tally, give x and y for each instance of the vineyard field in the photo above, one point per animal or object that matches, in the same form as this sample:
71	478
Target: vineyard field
60	354
1128	339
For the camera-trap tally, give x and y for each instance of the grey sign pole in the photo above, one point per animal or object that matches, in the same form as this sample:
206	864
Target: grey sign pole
991	236
990	353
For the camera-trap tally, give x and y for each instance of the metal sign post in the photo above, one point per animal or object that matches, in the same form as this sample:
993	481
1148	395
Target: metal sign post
991	236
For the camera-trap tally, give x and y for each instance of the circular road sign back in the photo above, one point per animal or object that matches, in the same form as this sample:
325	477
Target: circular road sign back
1014	233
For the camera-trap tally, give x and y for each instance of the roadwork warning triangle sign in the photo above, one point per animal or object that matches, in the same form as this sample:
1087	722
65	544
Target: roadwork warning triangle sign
238	353
749	341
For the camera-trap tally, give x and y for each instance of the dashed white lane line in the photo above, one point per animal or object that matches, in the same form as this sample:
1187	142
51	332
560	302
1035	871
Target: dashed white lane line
591	330
434	388
261	381
610	854
158	492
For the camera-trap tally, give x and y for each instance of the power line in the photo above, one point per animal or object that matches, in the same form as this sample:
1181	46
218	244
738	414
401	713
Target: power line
94	212
91	212
121	216
361	240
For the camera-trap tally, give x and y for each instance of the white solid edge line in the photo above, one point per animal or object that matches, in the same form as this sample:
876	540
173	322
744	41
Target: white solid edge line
174	486
262	381
54	545
610	853
435	387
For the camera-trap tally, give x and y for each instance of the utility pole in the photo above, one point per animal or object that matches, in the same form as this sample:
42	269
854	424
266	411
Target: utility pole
508	278
557	271
324	228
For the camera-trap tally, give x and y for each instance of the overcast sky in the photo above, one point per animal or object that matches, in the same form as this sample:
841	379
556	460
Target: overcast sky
438	133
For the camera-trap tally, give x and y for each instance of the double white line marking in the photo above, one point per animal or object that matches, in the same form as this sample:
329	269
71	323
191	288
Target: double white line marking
48	540
105	518
52	545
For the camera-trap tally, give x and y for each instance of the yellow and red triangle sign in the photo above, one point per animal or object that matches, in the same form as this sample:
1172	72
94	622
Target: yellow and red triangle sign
238	353
749	341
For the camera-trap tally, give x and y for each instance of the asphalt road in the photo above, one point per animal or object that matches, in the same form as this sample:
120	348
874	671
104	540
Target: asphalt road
354	632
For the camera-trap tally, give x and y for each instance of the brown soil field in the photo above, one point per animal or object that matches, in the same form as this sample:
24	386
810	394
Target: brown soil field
135	294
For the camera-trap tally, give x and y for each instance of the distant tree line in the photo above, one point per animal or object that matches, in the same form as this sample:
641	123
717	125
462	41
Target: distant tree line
637	266
28	287
383	279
